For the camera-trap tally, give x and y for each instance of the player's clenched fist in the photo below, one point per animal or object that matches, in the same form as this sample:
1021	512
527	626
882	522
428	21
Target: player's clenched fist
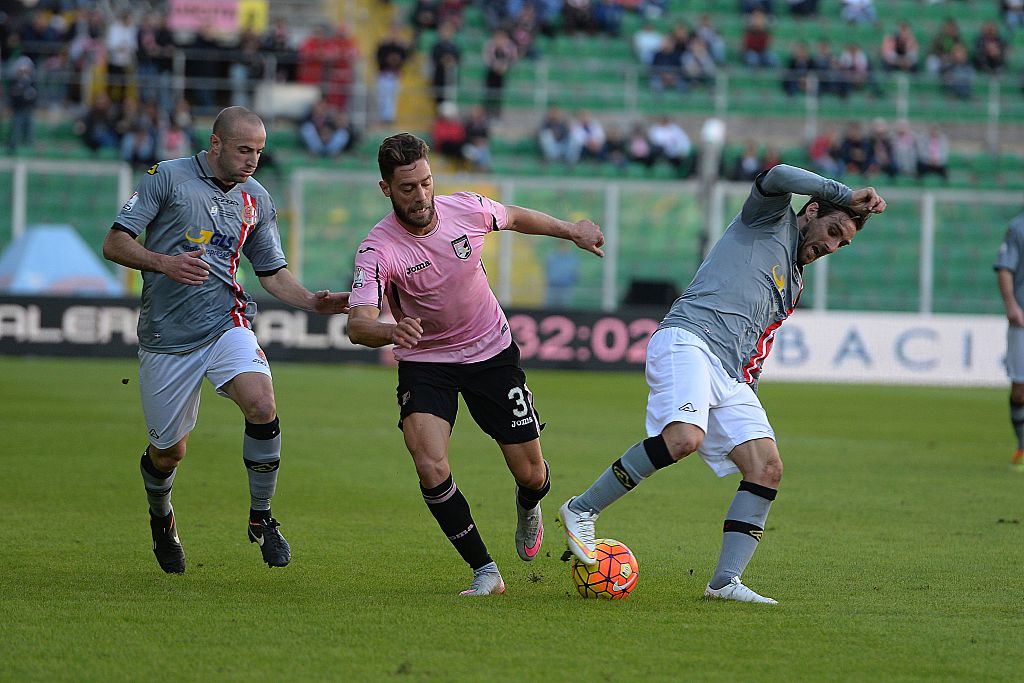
187	268
867	201
407	333
589	237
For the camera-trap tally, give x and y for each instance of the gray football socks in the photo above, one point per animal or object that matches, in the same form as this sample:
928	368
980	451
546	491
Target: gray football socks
261	451
639	462
158	486
742	531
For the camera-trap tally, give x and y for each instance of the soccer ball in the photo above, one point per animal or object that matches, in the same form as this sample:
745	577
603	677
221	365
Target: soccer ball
612	578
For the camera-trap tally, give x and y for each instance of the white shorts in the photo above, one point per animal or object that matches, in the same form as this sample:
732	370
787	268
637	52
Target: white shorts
1015	354
170	382
688	384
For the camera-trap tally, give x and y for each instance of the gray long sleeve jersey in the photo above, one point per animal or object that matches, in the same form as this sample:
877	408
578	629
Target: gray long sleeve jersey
750	282
181	207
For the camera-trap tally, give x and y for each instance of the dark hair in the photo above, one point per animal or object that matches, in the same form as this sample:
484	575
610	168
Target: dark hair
825	207
399	150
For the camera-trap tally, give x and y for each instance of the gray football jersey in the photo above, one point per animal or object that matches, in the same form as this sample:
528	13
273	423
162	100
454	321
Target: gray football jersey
1009	257
750	281
181	208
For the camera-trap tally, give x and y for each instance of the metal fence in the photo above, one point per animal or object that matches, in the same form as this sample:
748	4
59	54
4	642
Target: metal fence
931	252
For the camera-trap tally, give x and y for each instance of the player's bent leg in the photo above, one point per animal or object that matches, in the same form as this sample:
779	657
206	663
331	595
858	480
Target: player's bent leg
426	437
533	482
158	467
759	462
1017	420
253	392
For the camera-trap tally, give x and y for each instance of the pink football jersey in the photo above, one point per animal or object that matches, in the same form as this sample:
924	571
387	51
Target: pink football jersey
438	278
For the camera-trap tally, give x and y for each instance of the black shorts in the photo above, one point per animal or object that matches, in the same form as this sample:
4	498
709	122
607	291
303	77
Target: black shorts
494	390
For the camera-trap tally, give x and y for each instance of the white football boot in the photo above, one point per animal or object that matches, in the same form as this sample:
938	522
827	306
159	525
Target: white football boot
735	590
579	532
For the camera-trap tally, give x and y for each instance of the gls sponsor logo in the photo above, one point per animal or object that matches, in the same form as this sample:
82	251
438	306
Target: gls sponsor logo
214	238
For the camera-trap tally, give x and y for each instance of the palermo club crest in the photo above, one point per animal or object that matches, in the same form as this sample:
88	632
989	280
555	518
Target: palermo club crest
462	247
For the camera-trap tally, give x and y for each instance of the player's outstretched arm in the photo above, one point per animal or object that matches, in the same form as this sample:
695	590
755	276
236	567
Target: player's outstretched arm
187	268
282	285
366	330
584	234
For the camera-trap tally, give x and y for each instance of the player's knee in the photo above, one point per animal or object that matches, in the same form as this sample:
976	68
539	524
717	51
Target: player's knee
1017	394
682	442
166	459
262	410
771	472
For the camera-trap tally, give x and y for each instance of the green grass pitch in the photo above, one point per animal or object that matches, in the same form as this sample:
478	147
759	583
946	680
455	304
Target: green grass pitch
895	547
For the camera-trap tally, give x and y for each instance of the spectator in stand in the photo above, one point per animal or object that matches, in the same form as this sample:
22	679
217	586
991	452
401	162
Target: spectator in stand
856	69
561	273
859	12
831	79
392	53
798	68
478	139
748	163
757	42
98	126
578	17
522	29
803	8
245	68
156	62
557	143
277	43
204	67
666	68
452	12
855	151
499	54
326	131
772	158
39	38
448	135
670	142
958	74
900	50
589	135
445	57
881	148
140	129
122	47
181	116
424	17
646	42
176	142
825	153
750	6
1013	13
328	61
607	16
904	149
933	154
989	49
698	67
22	96
615	147
707	32
638	146
941	49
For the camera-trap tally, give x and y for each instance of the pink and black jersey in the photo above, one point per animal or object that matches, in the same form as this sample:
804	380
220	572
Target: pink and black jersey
439	278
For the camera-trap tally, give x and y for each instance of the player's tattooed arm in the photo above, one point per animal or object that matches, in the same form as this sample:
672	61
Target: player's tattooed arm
186	268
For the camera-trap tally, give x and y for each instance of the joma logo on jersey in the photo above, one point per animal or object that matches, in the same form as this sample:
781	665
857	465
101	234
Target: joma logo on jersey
214	238
462	247
417	268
